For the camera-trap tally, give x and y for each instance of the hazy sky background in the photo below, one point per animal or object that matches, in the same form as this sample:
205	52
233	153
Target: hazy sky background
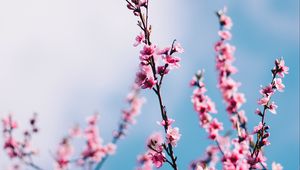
66	59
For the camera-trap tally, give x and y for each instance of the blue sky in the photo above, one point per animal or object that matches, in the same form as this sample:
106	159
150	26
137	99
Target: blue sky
67	59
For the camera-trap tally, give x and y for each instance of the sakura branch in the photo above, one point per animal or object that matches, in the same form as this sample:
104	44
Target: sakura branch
95	153
155	63
154	153
238	153
203	105
127	118
227	85
20	150
261	130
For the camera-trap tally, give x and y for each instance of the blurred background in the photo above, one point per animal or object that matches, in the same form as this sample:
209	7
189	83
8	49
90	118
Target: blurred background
66	59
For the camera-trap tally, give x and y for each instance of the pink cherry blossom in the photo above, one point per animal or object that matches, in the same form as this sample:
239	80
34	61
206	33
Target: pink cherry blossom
164	51
20	148
258	127
145	162
225	35
173	135
263	101
162	70
226	21
178	48
173	62
144	80
268	90
280	68
158	159
110	148
147	52
278	84
139	39
215	125
276	166
168	122
273	107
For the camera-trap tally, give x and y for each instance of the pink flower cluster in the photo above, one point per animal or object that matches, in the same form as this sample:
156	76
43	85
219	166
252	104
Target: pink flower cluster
150	57
128	115
232	158
203	105
261	130
154	154
155	63
227	85
242	152
156	147
63	154
236	153
21	150
93	152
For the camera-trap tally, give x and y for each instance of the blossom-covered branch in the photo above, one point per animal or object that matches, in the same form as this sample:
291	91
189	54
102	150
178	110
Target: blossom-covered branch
261	130
20	150
155	63
203	105
227	85
237	153
95	153
127	118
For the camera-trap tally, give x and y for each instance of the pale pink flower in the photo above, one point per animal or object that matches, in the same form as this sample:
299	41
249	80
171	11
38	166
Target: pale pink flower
111	148
280	67
242	116
273	107
173	135
173	62
149	83
158	159
226	21
162	70
145	162
164	51
139	39
147	51
227	51
63	154
178	48
263	101
265	140
268	90
258	112
215	125
9	122
155	140
211	107
145	81
257	128
276	166
225	35
240	99
168	122
230	160
278	84
243	165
